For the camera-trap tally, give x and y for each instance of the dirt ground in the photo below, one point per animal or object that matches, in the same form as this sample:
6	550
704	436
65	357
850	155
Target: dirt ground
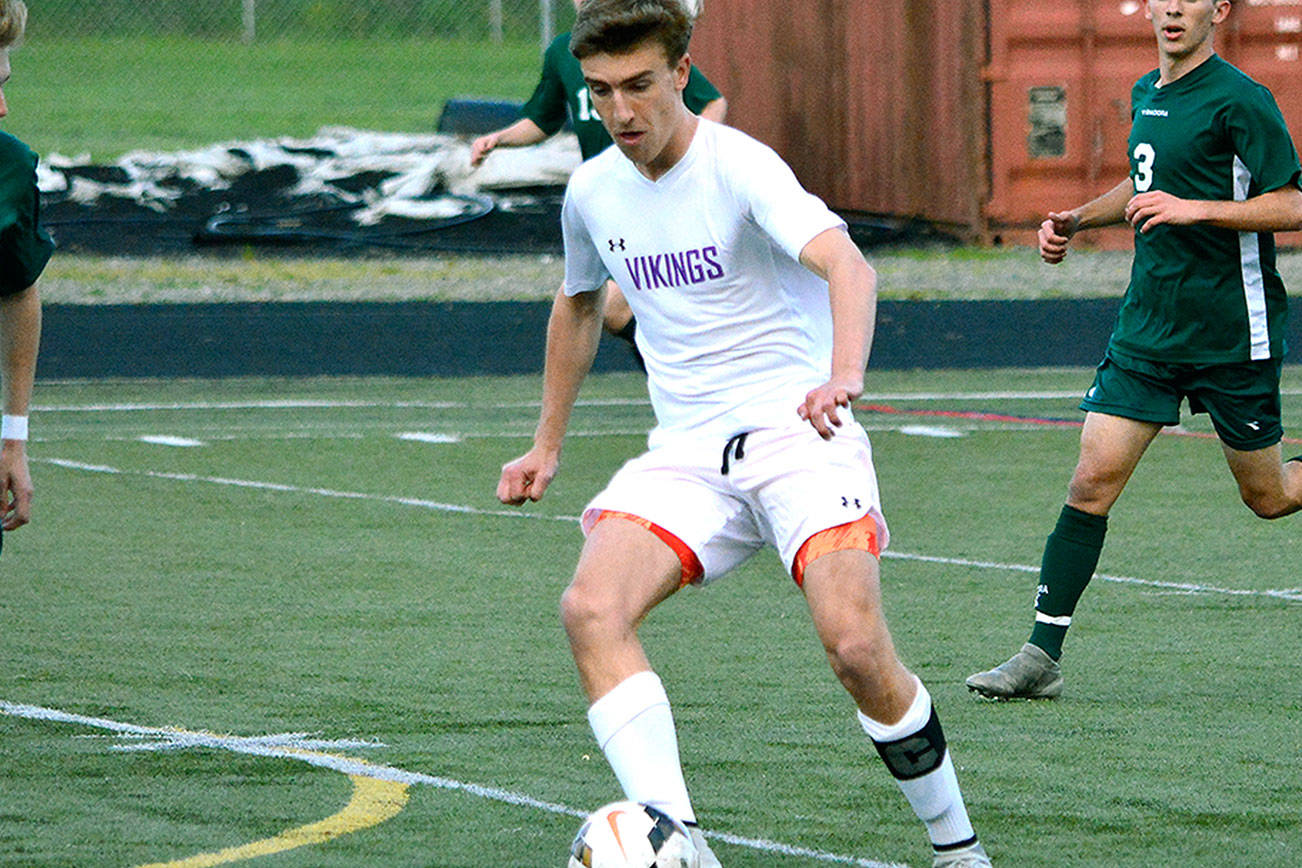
935	273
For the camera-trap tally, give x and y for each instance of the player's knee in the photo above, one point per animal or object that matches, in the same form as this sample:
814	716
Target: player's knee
858	656
1268	504
1093	491
585	608
579	610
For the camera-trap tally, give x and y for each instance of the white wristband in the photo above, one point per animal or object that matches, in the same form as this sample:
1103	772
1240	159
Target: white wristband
13	427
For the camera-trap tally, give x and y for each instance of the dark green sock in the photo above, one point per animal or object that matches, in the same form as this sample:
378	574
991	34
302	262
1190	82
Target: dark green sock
1070	557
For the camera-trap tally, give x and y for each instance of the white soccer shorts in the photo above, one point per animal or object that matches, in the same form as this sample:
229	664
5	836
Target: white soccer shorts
781	486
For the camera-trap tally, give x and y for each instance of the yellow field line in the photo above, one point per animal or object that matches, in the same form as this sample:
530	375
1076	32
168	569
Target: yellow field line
373	802
361	771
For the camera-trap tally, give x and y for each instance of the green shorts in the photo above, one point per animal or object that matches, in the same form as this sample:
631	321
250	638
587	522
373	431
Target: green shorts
1242	398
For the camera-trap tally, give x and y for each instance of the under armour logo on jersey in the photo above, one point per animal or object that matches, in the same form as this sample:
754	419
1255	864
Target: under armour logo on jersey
1255	426
615	245
846	501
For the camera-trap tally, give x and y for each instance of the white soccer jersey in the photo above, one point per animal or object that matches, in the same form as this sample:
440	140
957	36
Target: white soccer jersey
733	329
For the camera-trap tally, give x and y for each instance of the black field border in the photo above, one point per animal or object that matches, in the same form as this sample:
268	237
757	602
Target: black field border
449	339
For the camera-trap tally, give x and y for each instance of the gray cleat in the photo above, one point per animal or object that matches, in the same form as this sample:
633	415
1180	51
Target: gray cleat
969	857
1028	674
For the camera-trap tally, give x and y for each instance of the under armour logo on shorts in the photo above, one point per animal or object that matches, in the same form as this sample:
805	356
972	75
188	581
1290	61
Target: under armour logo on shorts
613	244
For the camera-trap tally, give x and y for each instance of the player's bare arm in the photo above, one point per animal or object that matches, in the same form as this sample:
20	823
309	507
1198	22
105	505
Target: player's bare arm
20	330
16	494
518	135
1276	211
852	287
715	110
1057	231
573	332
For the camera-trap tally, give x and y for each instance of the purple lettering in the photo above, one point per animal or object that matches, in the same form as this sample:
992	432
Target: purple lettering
690	260
678	261
655	277
714	270
632	264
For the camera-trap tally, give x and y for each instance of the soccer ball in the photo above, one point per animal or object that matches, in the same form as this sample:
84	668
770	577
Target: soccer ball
632	835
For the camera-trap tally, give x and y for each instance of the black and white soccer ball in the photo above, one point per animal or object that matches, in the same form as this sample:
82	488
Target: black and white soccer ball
632	835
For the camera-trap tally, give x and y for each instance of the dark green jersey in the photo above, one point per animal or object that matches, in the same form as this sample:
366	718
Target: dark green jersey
562	92
24	245
1199	294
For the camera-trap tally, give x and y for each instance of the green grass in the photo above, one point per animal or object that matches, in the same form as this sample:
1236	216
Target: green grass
108	96
160	595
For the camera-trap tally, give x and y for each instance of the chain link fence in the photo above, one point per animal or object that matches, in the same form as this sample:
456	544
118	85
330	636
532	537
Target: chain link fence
249	21
105	77
166	124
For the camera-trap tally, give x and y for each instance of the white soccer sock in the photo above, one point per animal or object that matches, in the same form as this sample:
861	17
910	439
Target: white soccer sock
935	796
635	728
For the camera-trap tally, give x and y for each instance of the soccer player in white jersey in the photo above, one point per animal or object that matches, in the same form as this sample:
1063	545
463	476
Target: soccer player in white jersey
756	314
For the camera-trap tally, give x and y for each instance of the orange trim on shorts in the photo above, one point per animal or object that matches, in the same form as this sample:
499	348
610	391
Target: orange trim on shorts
860	535
692	569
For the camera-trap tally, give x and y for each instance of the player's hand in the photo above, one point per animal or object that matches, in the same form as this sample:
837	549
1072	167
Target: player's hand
480	148
527	477
1157	207
820	406
1055	233
15	486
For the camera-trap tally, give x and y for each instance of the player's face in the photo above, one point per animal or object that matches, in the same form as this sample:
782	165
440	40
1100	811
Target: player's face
1184	27
4	79
639	96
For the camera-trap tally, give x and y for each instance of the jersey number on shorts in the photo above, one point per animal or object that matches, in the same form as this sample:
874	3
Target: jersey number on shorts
1144	156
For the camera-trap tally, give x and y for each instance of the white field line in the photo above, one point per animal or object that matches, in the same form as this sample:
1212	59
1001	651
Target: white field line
291	746
428	437
333	432
1290	594
323	404
299	489
332	404
170	440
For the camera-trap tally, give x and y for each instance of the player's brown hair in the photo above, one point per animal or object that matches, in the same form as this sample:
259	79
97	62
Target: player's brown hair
13	21
619	26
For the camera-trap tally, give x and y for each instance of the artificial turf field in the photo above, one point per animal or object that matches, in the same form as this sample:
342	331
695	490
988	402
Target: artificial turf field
288	620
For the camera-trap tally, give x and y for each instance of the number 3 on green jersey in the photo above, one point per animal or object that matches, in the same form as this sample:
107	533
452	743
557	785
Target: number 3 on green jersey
1144	155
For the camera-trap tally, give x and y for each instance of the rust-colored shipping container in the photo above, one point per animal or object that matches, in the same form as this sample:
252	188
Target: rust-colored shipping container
1059	80
980	115
871	103
1264	39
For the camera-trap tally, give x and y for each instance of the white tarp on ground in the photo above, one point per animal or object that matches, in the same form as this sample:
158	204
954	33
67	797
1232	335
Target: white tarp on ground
419	169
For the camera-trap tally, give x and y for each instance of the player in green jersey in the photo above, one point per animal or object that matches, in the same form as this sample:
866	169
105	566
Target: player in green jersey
24	250
1213	173
562	93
